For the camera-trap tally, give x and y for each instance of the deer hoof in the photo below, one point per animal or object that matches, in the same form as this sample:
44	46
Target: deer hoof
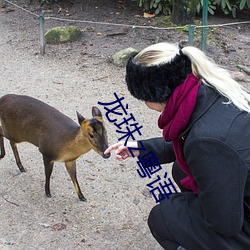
48	195
82	198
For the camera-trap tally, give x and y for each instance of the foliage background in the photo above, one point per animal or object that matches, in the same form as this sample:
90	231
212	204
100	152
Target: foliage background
165	6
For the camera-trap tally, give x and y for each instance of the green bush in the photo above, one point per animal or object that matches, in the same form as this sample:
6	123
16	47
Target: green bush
156	6
211	7
232	6
227	6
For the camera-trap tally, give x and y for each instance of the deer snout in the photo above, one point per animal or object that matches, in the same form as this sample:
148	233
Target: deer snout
106	156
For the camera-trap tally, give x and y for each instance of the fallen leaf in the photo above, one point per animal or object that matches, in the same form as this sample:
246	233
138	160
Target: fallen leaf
147	15
58	227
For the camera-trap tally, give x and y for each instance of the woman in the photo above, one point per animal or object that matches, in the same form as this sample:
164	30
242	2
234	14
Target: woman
205	118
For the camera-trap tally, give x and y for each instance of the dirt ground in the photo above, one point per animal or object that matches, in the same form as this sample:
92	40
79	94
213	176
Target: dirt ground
75	76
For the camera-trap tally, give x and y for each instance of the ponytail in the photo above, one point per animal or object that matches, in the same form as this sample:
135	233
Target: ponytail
218	78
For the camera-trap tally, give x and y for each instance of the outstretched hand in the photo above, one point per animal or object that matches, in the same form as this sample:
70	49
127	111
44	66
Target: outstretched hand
121	151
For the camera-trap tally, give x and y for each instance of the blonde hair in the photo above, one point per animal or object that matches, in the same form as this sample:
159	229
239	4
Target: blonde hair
202	67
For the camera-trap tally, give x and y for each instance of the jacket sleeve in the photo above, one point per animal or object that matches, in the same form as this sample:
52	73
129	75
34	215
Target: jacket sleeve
162	150
220	173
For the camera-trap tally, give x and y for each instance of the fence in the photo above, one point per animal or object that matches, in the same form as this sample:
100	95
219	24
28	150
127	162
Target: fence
191	28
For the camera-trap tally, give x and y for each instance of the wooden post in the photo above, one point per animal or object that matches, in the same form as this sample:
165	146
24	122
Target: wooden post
191	35
42	31
204	23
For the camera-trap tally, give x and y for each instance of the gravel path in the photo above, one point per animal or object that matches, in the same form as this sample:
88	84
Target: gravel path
74	77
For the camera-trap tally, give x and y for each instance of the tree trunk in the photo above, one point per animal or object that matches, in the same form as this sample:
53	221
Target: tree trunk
183	11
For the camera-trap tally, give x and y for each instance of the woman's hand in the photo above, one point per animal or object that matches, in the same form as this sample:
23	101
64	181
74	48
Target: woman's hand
121	151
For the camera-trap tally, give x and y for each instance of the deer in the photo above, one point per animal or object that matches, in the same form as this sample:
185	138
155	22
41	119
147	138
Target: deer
58	138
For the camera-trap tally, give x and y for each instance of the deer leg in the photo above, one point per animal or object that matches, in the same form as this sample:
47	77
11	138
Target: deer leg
71	168
18	161
1	144
2	147
48	165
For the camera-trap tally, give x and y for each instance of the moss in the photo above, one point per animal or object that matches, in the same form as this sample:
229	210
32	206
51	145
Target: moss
163	22
63	34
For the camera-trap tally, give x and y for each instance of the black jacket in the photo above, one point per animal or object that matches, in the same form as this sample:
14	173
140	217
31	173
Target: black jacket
216	145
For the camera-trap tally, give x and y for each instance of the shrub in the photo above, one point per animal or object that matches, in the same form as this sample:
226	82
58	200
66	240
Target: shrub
165	6
157	6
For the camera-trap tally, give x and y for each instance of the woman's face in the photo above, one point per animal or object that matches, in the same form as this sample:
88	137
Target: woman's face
156	106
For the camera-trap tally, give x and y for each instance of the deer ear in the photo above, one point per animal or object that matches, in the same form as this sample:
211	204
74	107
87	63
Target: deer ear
96	112
80	118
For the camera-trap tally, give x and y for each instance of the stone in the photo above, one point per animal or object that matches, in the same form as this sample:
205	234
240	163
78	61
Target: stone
63	34
121	58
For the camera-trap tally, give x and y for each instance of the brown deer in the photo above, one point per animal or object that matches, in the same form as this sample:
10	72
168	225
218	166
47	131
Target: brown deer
59	138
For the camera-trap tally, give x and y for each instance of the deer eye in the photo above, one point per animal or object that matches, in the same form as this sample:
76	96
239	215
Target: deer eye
91	136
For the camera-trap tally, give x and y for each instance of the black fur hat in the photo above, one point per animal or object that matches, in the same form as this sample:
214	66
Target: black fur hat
156	83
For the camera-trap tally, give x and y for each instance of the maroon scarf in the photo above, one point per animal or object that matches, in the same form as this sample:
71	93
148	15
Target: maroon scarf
174	119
